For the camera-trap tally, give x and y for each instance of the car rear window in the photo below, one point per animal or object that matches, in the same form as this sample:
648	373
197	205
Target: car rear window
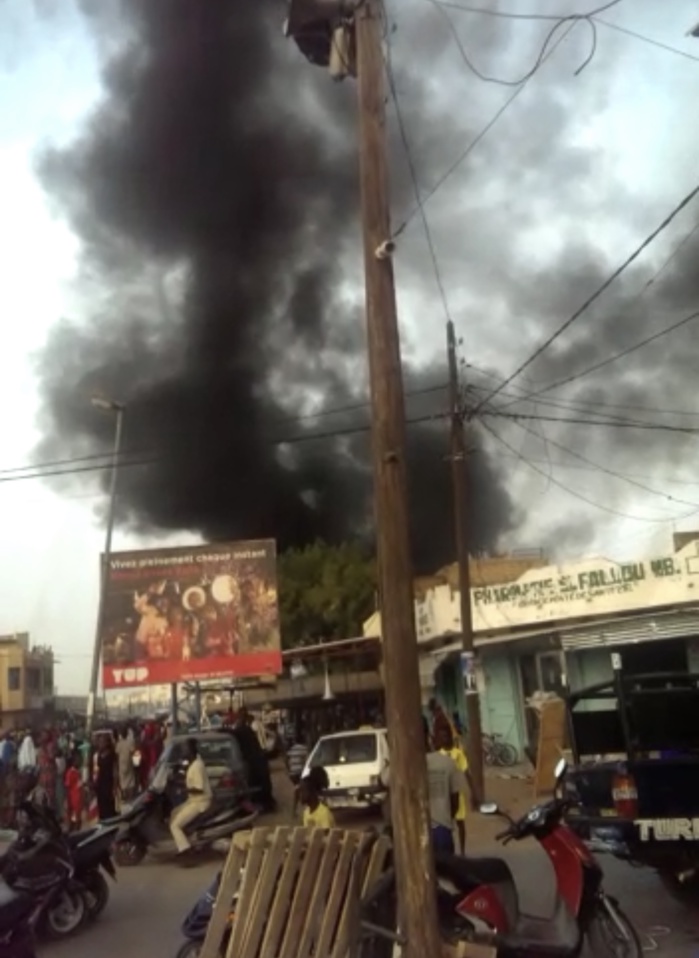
345	750
215	752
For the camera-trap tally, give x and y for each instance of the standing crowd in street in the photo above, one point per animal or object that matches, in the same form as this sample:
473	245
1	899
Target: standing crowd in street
77	778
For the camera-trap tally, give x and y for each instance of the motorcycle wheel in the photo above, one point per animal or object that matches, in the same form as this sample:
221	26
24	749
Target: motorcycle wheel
129	851
96	893
611	934
66	914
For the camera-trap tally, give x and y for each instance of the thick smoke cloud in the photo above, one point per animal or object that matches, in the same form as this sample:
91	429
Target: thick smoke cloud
215	193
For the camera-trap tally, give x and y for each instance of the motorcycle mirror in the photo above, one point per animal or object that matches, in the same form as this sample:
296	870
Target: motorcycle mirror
489	808
561	769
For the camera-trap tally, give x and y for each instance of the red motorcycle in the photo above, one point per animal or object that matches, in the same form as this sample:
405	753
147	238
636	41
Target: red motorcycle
484	901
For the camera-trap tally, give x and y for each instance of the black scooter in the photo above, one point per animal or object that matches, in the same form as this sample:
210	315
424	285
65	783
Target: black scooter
38	867
16	935
145	826
91	851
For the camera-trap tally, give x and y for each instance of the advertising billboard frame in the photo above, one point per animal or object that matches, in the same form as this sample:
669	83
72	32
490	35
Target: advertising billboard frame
191	613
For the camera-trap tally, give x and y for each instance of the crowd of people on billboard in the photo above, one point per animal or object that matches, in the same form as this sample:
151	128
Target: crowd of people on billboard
229	615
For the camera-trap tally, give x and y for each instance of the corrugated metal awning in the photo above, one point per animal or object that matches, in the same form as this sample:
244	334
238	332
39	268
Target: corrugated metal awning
647	628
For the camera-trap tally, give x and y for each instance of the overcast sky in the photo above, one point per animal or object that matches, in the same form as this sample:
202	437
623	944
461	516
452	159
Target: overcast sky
575	164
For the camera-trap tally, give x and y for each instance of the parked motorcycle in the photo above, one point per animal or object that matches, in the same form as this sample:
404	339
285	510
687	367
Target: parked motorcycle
16	933
41	870
479	896
91	851
145	825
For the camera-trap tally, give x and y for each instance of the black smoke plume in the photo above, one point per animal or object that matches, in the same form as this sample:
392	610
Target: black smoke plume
214	190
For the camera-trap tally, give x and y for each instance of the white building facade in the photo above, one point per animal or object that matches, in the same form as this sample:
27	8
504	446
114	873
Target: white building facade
554	627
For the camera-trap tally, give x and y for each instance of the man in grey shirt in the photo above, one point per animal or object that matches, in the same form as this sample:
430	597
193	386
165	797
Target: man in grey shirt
445	783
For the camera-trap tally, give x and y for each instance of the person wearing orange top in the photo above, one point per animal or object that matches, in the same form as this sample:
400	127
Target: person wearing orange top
74	794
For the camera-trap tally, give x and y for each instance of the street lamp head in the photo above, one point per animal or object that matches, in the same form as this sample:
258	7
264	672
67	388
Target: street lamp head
106	405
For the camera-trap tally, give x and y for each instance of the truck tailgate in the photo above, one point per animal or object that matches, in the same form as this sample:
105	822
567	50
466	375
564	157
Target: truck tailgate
666	787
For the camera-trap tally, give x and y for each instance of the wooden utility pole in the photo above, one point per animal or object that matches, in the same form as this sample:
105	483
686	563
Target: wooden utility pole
474	735
408	772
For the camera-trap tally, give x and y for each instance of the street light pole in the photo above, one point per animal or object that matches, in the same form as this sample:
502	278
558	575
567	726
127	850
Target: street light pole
118	409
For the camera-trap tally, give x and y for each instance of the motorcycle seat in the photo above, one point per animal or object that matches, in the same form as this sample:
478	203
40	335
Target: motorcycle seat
214	809
14	908
76	838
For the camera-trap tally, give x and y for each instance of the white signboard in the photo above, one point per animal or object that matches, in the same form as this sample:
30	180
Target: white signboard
591	587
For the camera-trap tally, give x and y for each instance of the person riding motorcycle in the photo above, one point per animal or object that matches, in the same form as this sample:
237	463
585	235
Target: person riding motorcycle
198	800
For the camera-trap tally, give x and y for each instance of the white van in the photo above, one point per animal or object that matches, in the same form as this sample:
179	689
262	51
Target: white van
355	762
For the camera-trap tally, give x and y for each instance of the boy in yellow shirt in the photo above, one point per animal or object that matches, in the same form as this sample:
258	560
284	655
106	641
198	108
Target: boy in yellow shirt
446	744
316	813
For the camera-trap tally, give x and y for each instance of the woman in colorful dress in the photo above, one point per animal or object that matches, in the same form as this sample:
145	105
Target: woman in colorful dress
48	770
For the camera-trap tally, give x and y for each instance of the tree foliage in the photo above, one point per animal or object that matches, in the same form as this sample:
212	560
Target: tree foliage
325	592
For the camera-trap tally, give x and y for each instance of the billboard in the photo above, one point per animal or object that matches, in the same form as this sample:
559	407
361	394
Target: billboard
184	614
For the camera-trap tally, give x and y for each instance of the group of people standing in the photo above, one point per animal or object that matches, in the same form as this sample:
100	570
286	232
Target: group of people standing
75	777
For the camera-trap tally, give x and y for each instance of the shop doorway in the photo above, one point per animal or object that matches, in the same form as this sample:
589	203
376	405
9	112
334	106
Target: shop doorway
540	672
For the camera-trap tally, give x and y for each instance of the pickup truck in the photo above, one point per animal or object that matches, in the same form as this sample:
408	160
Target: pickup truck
635	777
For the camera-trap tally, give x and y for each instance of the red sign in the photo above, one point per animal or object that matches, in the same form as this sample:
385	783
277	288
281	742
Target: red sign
187	614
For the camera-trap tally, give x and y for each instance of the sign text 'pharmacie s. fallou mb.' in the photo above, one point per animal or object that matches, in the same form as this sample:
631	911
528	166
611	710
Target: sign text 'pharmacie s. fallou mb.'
191	613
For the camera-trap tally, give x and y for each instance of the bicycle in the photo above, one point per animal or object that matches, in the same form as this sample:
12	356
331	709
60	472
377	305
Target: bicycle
499	753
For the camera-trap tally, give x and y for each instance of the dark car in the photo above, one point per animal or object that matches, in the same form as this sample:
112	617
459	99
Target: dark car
228	772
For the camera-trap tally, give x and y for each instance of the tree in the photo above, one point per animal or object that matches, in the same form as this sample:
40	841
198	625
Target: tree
325	592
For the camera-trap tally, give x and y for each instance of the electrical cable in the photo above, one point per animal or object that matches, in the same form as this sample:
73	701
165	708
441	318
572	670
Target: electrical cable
529	417
472	144
598	292
284	441
581	408
610	472
505	15
575	493
601	364
290	420
540	58
415	184
582	404
640	36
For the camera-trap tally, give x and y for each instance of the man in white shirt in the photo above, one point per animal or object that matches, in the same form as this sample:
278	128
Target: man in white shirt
198	798
27	758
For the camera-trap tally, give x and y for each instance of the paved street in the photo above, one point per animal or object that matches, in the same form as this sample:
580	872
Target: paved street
150	901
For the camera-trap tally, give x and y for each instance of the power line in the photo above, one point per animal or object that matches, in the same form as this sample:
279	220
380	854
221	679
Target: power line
610	472
602	363
645	39
594	468
589	408
652	427
144	452
285	441
575	493
505	15
415	184
542	52
596	409
479	136
598	292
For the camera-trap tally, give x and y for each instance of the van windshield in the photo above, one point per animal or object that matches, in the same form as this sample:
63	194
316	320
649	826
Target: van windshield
345	750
